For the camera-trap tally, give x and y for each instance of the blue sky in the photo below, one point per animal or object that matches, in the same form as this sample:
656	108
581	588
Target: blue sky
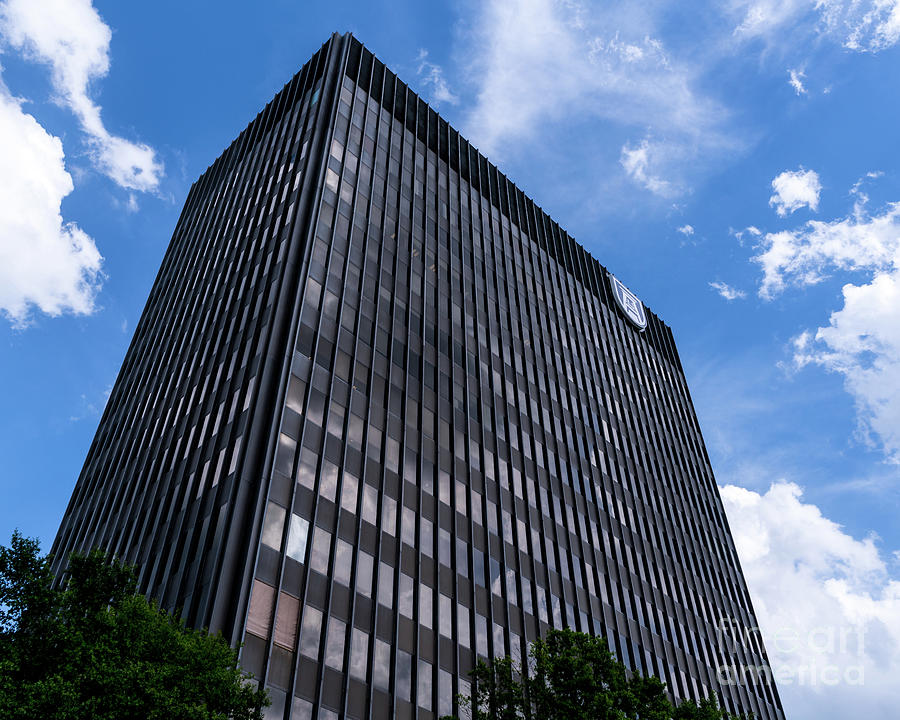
736	164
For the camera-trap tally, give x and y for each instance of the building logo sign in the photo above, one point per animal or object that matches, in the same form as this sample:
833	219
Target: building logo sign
628	303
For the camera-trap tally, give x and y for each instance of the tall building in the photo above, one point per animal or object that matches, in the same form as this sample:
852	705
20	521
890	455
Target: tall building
381	416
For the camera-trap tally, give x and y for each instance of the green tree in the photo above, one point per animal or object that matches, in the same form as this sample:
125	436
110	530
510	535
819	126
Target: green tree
97	650
574	676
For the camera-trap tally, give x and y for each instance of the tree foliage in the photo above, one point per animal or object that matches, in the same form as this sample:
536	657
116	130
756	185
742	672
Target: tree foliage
574	676
97	650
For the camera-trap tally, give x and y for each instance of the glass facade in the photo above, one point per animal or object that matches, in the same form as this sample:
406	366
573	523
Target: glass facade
382	416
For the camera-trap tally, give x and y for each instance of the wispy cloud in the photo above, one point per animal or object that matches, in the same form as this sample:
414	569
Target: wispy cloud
727	291
861	25
70	37
536	63
686	230
432	77
639	163
795	78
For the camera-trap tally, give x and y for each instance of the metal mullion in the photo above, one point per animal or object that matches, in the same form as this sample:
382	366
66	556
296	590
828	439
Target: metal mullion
112	406
137	400
364	442
389	78
686	509
525	250
251	510
245	168
284	131
329	395
602	371
97	451
430	117
395	121
566	404
526	319
594	499
317	122
299	86
473	615
483	271
117	439
216	226
559	367
579	325
539	350
489	242
556	424
339	488
497	241
470	242
678	469
626	440
636	533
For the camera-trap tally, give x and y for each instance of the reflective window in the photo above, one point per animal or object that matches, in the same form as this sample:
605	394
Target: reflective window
296	547
311	632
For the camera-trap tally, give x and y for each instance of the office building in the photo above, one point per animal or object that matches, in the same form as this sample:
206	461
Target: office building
381	416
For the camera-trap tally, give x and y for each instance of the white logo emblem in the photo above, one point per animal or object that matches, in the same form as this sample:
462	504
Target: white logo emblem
628	302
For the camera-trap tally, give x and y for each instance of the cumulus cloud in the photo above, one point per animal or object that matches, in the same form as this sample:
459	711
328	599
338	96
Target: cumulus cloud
860	25
538	62
45	262
686	230
862	343
70	37
794	190
432	77
727	292
827	604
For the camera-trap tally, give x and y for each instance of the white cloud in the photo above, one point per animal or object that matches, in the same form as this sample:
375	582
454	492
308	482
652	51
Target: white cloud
827	604
794	190
796	81
862	343
432	77
45	263
540	62
638	163
752	231
727	292
70	37
686	230
861	25
862	340
860	241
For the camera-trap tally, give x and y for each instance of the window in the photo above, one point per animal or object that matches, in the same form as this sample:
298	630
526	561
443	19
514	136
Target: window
273	528
311	631
381	665
259	617
365	565
343	562
321	549
334	648
296	547
358	654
